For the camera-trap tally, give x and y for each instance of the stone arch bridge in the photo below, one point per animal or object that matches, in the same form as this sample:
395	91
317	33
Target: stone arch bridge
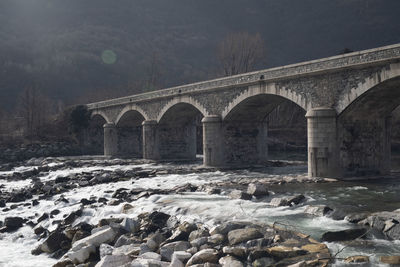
348	99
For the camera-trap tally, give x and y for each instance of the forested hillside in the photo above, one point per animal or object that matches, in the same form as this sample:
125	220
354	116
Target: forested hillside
57	45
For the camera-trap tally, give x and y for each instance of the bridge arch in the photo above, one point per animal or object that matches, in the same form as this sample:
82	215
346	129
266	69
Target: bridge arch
364	124
379	79
266	89
102	114
256	122
129	108
182	100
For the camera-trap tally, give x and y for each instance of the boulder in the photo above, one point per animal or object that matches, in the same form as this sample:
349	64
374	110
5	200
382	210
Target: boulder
263	262
150	255
243	235
389	224
344	235
53	242
176	263
279	202
394	232
258	253
394	259
357	259
166	253
114	261
229	261
259	242
148	263
13	223
178	245
239	252
80	254
237	194
104	236
296	200
283	252
105	250
122	241
216	239
203	256
199	242
181	256
130	225
225	228
198	233
257	190
356	217
318	210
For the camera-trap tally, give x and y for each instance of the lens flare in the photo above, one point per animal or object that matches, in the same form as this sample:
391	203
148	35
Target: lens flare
109	57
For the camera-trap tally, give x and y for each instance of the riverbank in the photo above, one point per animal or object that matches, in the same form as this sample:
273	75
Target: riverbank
55	194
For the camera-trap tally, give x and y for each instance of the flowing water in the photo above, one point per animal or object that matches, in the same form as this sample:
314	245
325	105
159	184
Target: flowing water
377	195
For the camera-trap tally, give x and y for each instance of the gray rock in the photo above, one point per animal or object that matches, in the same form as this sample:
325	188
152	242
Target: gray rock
243	235
129	250
260	242
344	235
394	232
229	261
203	256
122	241
225	228
144	249
199	242
150	255
81	253
216	239
356	217
278	202
198	233
130	225
318	210
296	200
176	263
182	256
239	252
166	253
104	236
105	250
114	261
53	242
237	194
178	245
257	190
149	263
263	262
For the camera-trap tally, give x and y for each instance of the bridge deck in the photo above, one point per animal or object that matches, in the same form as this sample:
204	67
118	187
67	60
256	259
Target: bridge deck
374	56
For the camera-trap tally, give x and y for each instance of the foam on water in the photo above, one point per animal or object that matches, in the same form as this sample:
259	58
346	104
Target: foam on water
192	206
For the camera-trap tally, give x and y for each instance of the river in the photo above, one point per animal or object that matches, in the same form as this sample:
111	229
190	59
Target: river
355	196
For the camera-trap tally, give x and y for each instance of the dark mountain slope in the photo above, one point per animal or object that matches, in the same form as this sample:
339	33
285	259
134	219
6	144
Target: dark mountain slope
56	45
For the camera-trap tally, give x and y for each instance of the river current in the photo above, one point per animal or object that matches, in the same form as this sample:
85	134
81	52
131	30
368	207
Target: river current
355	196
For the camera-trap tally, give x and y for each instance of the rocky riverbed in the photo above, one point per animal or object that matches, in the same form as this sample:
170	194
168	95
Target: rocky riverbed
98	212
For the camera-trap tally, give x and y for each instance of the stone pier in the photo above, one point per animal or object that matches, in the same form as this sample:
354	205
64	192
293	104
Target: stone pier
110	139
322	143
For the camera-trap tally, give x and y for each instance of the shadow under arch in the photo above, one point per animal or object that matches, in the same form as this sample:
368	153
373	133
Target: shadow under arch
130	133
94	137
364	130
180	132
248	125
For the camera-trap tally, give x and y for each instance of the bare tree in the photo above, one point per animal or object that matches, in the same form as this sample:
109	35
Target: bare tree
34	110
153	72
240	52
